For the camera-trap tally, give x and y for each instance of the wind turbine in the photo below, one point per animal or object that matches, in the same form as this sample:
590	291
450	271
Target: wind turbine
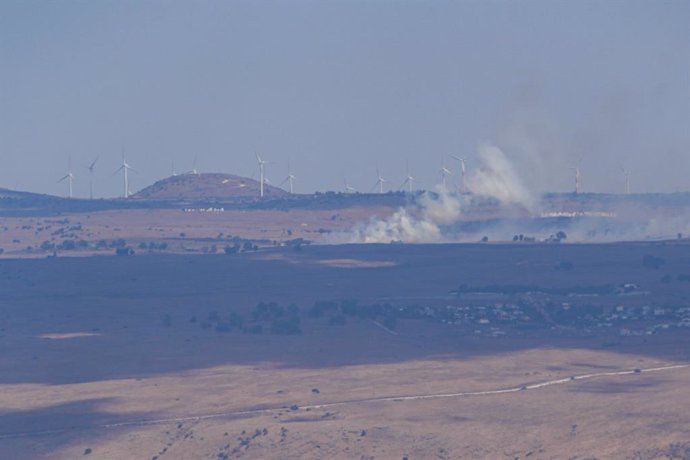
349	188
91	169
194	171
463	174
408	180
69	176
290	179
262	173
173	168
626	174
445	172
379	181
125	168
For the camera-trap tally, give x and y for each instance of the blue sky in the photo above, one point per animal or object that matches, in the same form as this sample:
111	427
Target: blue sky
341	87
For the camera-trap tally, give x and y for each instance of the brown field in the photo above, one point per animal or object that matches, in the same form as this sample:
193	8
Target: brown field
190	230
107	357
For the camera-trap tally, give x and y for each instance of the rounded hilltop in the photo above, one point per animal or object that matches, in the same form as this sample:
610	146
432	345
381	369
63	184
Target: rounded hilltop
206	185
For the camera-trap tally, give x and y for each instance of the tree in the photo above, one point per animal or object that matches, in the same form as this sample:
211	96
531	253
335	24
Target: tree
653	262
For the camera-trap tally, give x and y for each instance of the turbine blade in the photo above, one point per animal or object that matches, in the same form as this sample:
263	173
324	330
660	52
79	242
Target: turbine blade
94	163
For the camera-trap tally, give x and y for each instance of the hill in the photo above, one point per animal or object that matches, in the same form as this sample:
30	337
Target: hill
206	186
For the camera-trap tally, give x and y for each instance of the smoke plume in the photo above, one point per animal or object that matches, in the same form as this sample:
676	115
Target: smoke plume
422	223
496	178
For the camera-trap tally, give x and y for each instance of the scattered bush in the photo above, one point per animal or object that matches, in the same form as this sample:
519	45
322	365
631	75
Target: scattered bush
565	266
652	262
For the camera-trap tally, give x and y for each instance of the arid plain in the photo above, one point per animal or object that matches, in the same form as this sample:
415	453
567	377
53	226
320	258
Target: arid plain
174	356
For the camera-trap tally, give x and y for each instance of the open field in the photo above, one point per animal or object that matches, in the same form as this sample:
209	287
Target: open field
156	355
181	230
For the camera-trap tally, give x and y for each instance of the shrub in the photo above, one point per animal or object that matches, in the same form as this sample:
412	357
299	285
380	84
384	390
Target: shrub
286	327
652	262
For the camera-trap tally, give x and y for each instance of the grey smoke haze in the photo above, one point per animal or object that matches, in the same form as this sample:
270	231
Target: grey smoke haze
494	178
339	87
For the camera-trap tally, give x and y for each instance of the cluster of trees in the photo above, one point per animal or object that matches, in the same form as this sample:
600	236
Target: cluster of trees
234	321
265	316
283	321
683	278
65	245
556	238
337	312
105	244
241	245
153	246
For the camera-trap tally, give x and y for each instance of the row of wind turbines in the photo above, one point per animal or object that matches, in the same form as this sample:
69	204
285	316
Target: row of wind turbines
407	184
69	177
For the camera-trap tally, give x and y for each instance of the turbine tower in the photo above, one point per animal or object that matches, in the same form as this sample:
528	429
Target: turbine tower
91	168
125	168
445	172
69	176
290	179
193	171
379	181
262	179
463	174
408	181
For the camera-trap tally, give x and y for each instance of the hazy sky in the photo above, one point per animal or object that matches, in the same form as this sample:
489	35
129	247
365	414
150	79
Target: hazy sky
338	87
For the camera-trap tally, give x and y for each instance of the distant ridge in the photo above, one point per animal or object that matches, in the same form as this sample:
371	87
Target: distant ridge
206	186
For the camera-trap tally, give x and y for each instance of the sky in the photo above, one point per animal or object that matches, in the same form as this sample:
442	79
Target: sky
338	89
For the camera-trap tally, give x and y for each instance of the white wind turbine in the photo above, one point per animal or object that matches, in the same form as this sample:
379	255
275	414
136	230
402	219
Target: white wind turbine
445	172
194	171
379	181
125	168
69	176
290	179
349	188
463	174
408	181
91	168
262	173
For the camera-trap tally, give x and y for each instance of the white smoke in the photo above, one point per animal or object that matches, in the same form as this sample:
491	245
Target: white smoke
419	224
495	178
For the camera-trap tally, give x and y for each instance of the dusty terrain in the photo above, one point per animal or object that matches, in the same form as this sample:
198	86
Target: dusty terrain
194	229
124	357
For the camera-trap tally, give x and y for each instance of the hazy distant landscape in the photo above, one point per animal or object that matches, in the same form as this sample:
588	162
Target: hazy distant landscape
344	230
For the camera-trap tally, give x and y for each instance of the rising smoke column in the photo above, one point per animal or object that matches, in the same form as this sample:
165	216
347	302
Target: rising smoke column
414	225
495	178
